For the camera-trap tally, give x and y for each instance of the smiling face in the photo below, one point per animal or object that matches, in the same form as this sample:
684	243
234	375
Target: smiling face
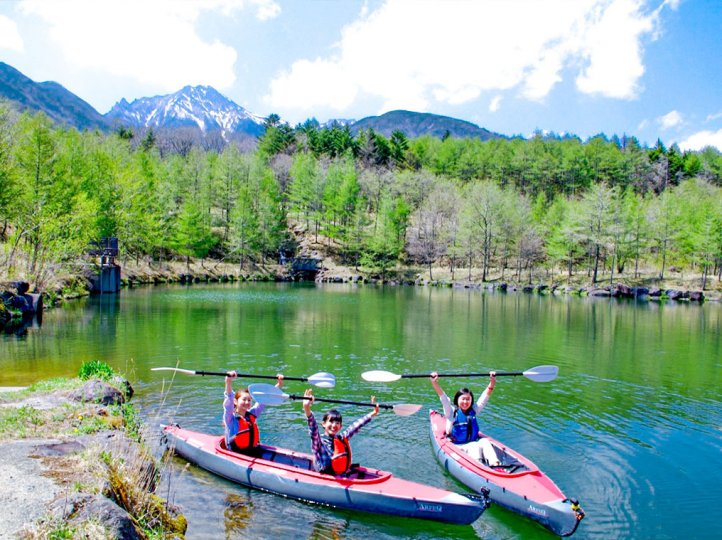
332	427
465	401
243	403
332	422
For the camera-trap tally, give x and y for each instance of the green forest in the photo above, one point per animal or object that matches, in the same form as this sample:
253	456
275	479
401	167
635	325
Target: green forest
509	208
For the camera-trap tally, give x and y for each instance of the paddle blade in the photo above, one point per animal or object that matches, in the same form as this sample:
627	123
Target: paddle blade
406	409
380	376
323	380
267	394
179	370
542	373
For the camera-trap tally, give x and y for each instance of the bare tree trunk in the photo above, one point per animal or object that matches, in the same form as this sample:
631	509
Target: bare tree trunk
596	263
664	258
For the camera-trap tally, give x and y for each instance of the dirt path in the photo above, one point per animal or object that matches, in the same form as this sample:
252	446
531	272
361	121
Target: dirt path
24	490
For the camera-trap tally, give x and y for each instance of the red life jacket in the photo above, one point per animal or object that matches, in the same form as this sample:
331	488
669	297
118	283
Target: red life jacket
341	458
247	436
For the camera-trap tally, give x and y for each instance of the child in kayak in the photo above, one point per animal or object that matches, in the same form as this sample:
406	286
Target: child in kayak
462	426
239	417
331	450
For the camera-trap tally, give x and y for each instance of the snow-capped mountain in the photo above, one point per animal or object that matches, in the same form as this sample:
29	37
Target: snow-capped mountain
192	106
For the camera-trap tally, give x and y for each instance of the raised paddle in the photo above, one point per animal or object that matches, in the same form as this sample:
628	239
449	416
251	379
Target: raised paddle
536	374
268	394
322	380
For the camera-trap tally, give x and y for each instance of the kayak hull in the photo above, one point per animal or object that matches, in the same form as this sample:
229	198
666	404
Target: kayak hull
290	474
520	486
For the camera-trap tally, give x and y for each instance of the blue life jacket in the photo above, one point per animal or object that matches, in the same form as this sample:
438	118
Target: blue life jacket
465	428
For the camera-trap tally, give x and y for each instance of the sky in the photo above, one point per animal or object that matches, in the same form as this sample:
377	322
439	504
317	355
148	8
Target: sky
645	68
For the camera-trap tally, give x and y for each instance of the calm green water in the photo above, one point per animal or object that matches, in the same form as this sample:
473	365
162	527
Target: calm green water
632	426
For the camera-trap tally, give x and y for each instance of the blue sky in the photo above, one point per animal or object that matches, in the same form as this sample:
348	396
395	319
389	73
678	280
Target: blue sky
647	68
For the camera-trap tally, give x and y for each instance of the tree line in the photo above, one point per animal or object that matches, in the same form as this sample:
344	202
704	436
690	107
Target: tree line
508	207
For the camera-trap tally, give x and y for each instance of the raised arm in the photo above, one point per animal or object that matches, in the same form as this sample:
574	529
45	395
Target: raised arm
486	394
435	383
375	412
230	375
307	402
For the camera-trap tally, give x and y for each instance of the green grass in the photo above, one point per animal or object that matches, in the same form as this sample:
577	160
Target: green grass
20	421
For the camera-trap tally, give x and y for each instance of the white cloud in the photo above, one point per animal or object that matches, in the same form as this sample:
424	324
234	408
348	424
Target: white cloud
713	116
670	120
495	103
418	53
266	9
702	139
9	36
612	47
152	42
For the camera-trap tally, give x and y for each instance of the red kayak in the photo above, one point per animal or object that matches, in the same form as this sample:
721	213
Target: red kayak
517	484
290	473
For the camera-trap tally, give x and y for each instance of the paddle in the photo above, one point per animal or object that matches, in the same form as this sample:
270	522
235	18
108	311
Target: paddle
322	379
536	374
268	394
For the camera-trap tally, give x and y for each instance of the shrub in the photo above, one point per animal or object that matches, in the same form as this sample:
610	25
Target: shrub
95	369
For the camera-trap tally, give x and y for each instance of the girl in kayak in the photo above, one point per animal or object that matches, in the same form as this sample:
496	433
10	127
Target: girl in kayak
331	450
239	417
462	426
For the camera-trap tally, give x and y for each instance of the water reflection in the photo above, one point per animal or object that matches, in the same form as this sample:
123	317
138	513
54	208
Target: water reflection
240	513
237	515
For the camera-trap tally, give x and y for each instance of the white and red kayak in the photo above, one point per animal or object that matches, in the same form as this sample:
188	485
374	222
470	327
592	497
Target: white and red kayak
289	473
517	484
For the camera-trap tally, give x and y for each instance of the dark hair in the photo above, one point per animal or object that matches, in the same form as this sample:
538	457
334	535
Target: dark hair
461	393
332	414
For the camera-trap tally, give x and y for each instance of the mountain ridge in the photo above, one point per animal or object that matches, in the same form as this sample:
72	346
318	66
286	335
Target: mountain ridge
205	109
59	103
200	106
415	124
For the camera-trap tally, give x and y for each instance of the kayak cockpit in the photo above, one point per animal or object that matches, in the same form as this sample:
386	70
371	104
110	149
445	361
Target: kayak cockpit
281	458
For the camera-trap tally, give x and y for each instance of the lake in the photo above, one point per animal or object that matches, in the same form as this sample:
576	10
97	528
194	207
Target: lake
632	426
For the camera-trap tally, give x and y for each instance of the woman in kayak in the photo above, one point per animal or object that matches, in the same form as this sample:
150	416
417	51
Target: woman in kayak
239	417
462	426
331	450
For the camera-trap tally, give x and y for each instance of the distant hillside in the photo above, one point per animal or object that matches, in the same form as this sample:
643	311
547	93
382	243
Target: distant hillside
415	124
61	105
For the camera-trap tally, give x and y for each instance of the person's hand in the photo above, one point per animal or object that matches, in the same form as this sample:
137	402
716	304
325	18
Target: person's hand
376	409
434	376
307	402
492	379
279	380
230	375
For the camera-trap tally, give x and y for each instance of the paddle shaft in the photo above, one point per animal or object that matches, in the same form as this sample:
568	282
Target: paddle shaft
249	376
427	375
342	401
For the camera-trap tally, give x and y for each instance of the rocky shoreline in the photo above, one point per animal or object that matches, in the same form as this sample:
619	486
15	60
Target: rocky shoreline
92	477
